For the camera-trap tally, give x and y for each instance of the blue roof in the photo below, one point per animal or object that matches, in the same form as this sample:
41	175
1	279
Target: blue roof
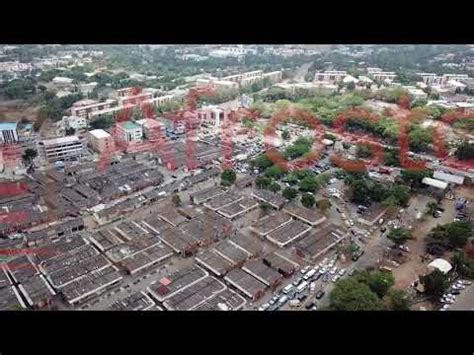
8	126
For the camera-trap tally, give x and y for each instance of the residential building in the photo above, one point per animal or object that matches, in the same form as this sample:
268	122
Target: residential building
150	127
9	132
15	66
86	108
60	149
87	88
75	122
434	79
129	131
135	99
379	75
330	76
211	115
100	140
62	82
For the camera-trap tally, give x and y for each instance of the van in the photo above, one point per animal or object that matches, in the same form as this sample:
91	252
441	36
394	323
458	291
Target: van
312	287
282	300
287	289
295	303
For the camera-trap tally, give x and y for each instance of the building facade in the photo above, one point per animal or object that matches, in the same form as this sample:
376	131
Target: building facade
100	140
60	149
9	132
129	131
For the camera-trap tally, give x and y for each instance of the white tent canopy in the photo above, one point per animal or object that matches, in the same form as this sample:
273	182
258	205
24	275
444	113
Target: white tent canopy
441	265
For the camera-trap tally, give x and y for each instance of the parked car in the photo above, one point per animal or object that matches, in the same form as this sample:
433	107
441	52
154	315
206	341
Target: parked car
325	278
302	296
342	272
309	305
319	295
351	272
335	278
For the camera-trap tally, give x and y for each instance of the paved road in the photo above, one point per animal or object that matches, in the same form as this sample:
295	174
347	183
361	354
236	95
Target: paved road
465	301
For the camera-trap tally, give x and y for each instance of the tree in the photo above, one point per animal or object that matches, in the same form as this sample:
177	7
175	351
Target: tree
289	193
350	85
275	187
285	134
308	200
228	177
70	131
465	151
274	172
29	155
399	235
323	204
262	162
454	235
263	182
351	295
399	300
432	207
380	282
464	264
308	183
435	284
363	151
176	200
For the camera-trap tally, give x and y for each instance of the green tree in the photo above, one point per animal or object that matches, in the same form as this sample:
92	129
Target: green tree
432	207
324	205
350	85
308	200
363	151
378	281
399	300
435	284
262	162
454	235
29	154
274	172
399	235
228	177
263	182
308	184
285	134
176	200
289	193
465	151
70	131
275	187
463	264
351	295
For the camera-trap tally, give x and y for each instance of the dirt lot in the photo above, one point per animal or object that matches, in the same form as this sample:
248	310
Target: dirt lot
15	110
408	272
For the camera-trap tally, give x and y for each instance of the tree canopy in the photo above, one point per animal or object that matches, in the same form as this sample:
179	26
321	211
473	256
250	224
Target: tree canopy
308	200
435	284
399	235
351	295
454	235
228	177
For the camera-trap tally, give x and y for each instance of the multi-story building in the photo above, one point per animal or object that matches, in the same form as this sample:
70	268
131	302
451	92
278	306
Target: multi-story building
129	131
12	67
9	132
244	79
330	76
150	127
85	108
60	149
379	75
211	115
75	122
125	92
219	84
274	76
434	79
135	99
100	140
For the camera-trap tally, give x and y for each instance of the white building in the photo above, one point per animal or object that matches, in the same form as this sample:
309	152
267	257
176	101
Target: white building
60	149
100	140
9	132
75	122
129	131
61	81
87	88
330	76
379	75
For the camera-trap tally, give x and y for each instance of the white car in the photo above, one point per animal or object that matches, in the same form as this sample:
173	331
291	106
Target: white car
333	270
342	272
465	282
331	265
459	287
304	270
335	278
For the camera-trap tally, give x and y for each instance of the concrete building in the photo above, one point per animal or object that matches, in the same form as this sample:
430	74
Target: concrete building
151	127
135	99
9	132
129	131
379	75
60	149
99	140
87	88
86	108
74	122
435	79
330	76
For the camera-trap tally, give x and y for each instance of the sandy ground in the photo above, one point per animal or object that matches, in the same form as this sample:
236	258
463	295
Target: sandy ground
15	110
